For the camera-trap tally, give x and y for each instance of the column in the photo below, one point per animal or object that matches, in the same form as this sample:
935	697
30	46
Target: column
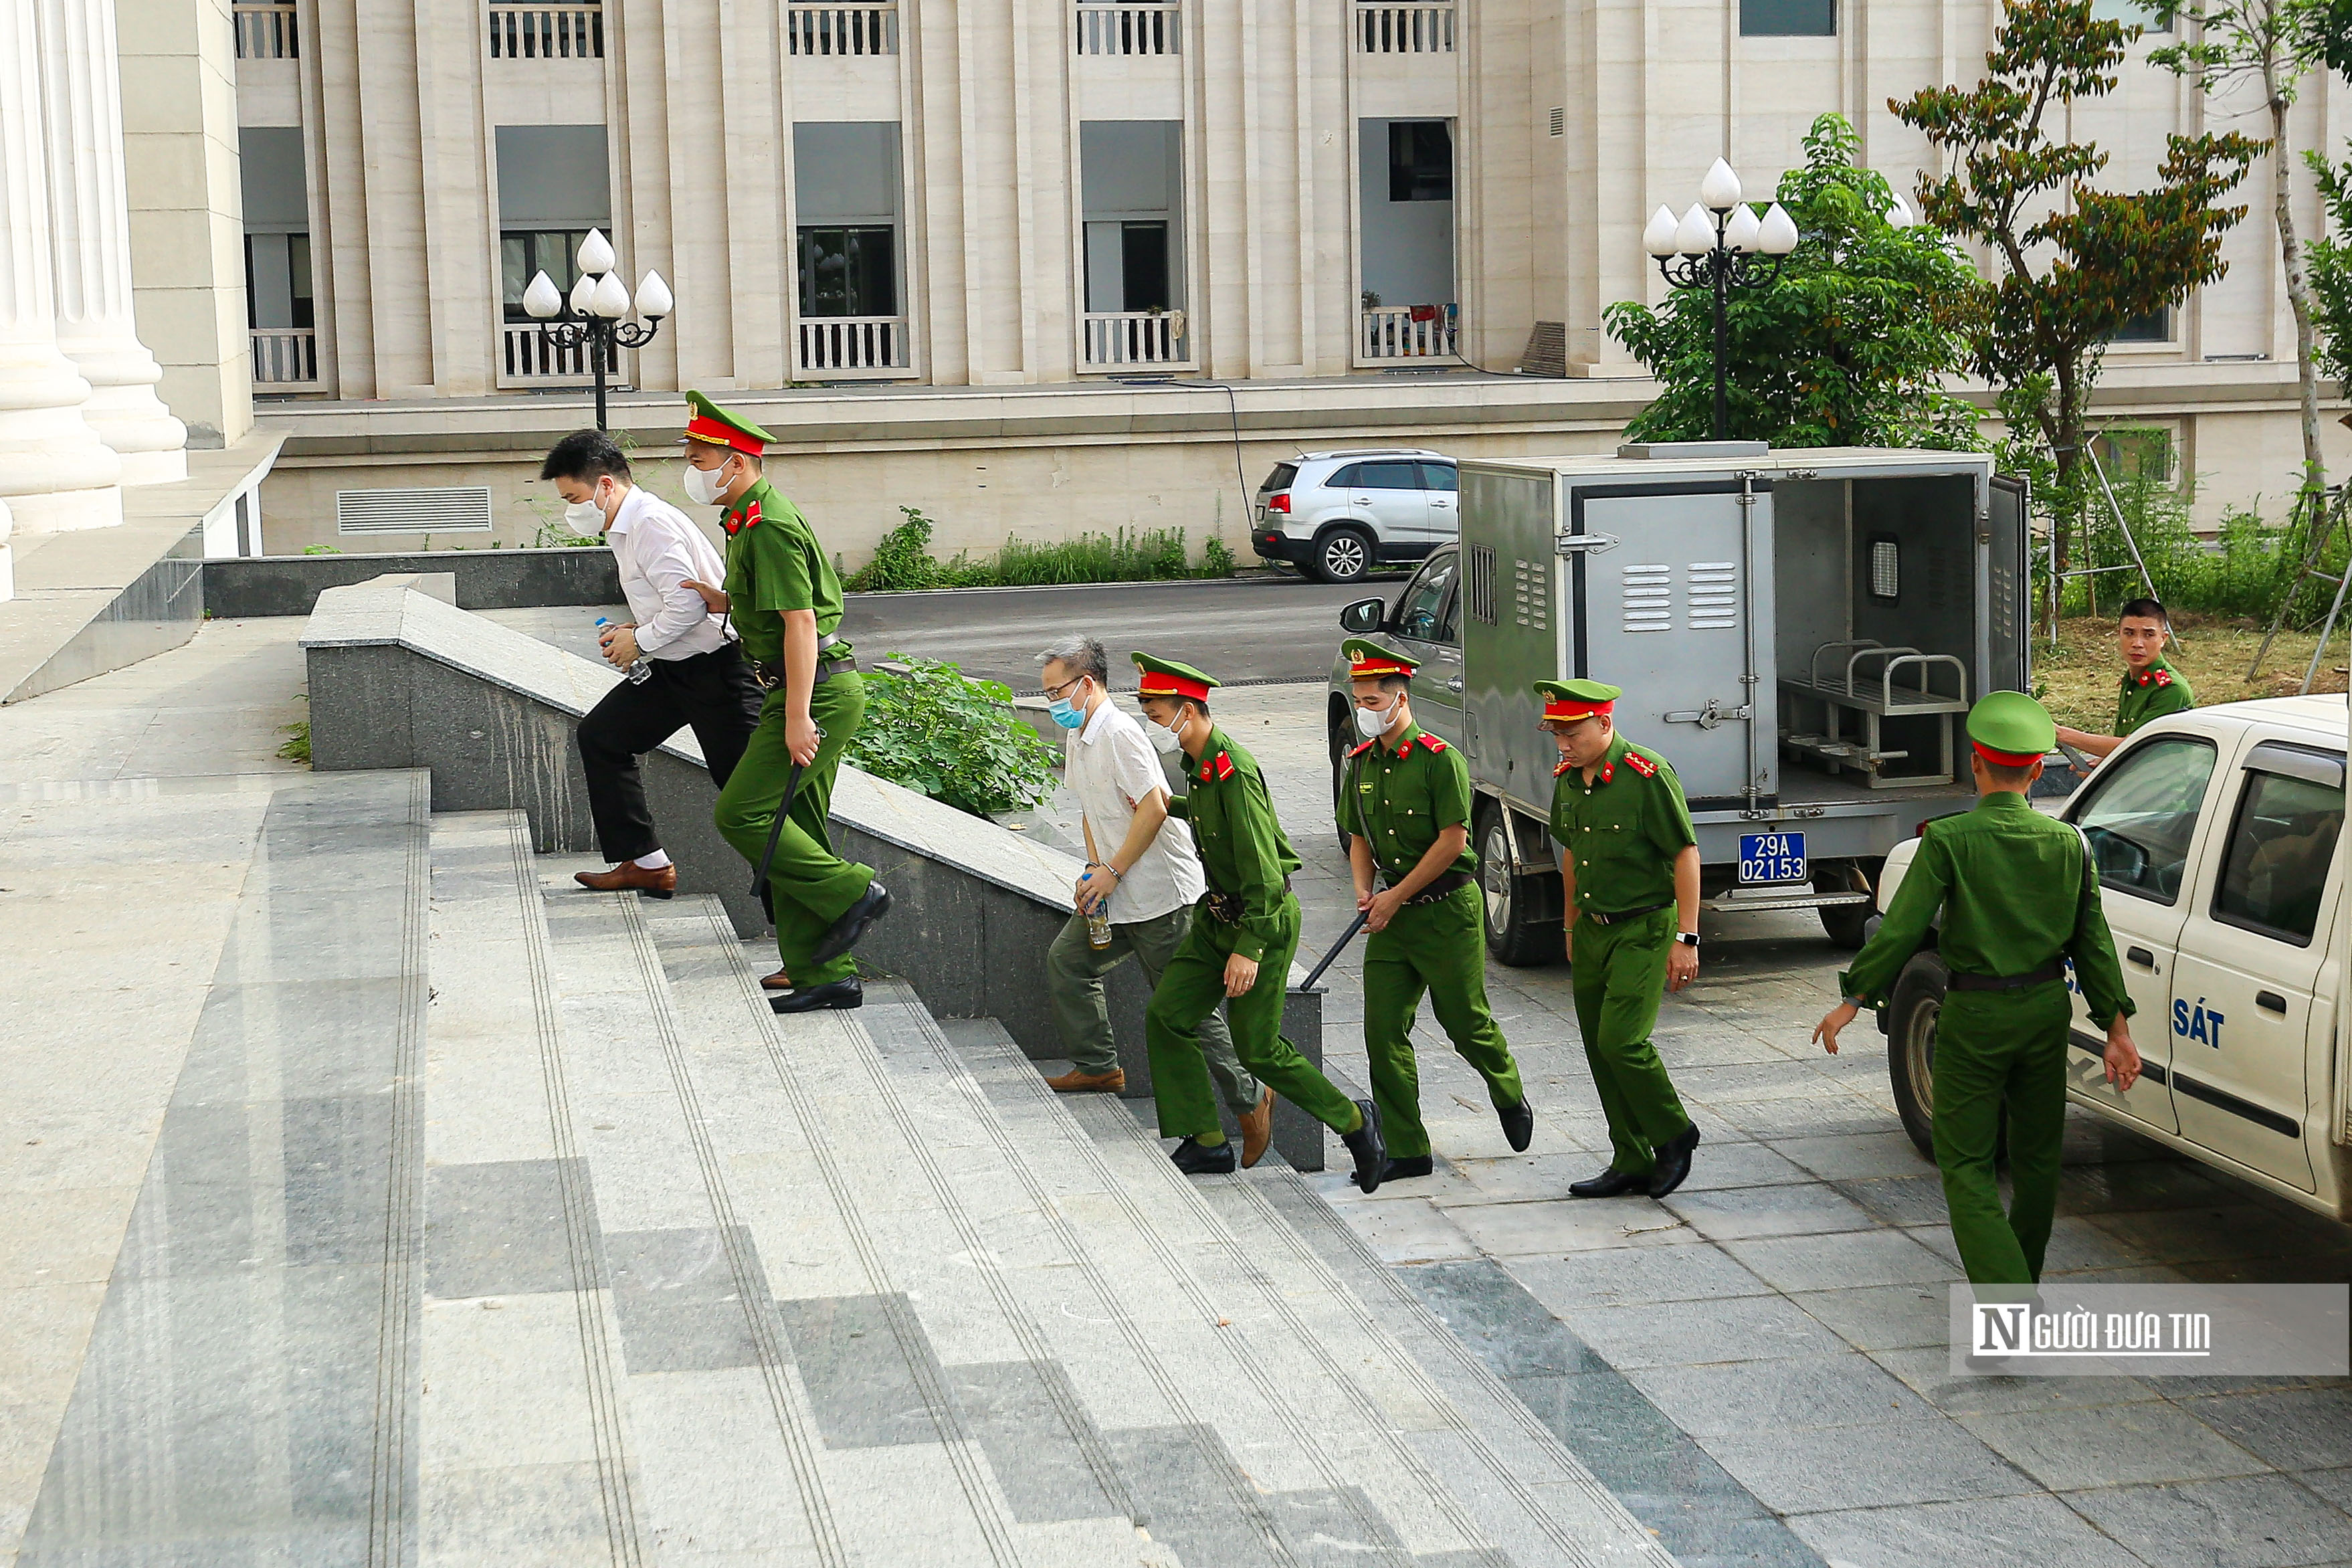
81	99
55	472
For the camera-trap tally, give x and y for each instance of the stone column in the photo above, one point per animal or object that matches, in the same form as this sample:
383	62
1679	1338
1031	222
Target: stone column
54	470
81	100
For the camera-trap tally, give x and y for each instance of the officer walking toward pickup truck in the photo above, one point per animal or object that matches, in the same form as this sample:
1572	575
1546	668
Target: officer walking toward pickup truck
1629	866
2019	896
1405	807
1238	948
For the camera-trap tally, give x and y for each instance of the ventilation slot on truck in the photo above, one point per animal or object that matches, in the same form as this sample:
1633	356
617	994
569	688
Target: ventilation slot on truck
454	508
1649	598
1531	594
1713	596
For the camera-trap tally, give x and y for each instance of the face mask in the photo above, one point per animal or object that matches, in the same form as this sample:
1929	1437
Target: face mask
1164	741
703	485
1372	723
1068	714
584	517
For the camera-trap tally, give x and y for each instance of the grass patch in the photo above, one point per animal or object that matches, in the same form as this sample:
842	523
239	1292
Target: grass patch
2076	679
903	560
296	747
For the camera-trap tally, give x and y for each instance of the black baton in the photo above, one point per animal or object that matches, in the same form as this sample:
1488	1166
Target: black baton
1345	937
776	828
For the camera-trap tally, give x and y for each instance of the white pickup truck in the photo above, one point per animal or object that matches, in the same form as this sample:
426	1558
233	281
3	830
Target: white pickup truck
2214	833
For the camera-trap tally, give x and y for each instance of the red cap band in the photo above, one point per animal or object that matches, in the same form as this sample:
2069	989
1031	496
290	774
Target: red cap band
1573	707
709	431
1378	665
1155	684
2006	759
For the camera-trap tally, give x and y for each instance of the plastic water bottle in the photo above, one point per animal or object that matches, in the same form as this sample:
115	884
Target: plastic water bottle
1099	918
639	672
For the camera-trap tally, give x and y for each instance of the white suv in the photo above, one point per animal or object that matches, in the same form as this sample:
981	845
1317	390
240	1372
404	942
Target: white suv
1337	515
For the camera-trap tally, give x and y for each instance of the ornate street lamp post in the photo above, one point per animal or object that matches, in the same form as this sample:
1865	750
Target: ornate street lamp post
599	302
1720	245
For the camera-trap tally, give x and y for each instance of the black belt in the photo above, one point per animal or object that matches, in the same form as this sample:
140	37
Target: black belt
771	676
2054	970
1622	916
1229	907
1444	884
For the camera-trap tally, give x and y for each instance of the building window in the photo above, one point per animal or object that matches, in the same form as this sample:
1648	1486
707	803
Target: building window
278	282
1788	18
2131	13
1131	184
522	257
845	196
849	271
2129	454
2156	327
1421	161
554	187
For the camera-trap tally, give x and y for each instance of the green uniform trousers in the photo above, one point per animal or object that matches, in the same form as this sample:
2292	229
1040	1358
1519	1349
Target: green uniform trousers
1075	970
1995	1048
1189	991
810	886
1619	974
1440	948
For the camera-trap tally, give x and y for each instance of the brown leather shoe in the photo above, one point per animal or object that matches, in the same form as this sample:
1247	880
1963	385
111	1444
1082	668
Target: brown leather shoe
782	980
1075	1082
627	875
1257	1129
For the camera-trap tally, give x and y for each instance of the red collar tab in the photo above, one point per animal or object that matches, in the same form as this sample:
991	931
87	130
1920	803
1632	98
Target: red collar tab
2157	676
712	433
1608	772
746	518
1153	683
1639	763
1224	767
1432	743
1574	707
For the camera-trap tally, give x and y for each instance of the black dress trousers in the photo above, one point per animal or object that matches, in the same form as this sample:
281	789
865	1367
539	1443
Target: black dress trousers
712	692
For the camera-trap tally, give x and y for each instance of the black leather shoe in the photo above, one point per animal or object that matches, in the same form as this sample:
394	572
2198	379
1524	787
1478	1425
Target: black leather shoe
1370	1149
871	906
1193	1160
1610	1184
1518	1125
1674	1162
1411	1165
835	993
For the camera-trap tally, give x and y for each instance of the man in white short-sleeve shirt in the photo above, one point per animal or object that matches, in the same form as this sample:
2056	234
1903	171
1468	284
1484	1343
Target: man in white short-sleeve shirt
1143	862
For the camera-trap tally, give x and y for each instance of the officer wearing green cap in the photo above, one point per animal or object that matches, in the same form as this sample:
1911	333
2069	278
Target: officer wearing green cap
784	600
1239	945
1404	807
1629	861
2001	1040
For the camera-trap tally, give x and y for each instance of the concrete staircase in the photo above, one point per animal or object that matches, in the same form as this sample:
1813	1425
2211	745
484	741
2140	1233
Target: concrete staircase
655	1276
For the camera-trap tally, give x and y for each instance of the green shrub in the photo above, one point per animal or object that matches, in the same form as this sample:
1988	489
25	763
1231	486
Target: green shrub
296	747
902	561
321	550
1216	559
2240	571
941	733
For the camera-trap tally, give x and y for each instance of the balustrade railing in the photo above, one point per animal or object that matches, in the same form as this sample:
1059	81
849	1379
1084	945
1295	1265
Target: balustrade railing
285	356
530	355
547	32
852	345
1404	29
1130	29
1406	332
1135	337
267	32
840	29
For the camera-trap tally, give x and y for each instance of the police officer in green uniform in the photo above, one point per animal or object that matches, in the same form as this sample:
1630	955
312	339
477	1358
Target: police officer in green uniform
1404	804
2150	688
1239	945
2018	897
1628	858
784	599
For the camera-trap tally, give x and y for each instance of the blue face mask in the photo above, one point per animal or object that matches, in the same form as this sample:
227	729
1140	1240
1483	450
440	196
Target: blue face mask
1066	714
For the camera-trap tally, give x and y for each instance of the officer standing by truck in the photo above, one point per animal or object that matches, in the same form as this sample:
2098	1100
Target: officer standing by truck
2018	897
1238	948
1405	809
1628	865
2150	687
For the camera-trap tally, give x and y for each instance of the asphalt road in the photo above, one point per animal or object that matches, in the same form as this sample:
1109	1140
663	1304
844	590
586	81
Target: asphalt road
1248	628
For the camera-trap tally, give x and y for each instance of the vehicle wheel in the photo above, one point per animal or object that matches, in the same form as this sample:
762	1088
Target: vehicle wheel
1912	1013
1845	923
1516	933
1343	554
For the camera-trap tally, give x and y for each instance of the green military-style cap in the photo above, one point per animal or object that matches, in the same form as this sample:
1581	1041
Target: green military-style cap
2011	729
1565	699
712	425
1367	660
1166	678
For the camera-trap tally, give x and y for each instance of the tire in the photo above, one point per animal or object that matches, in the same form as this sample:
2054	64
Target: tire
1912	1011
1846	923
1516	934
1343	554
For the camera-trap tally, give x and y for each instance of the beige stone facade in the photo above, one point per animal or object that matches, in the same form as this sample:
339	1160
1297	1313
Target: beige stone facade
871	216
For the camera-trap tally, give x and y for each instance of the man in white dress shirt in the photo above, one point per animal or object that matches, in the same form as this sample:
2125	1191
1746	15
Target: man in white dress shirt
1143	860
696	676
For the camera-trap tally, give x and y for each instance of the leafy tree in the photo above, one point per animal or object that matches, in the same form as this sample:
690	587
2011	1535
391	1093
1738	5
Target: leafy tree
2269	44
1848	347
2075	262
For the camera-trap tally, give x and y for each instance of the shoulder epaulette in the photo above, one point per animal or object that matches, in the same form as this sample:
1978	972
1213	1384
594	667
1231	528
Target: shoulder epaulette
1432	742
1641	764
1224	766
1564	765
747	518
1359	751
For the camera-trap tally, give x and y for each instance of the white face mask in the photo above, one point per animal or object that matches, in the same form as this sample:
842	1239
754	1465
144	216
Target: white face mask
584	517
1164	741
1372	723
703	485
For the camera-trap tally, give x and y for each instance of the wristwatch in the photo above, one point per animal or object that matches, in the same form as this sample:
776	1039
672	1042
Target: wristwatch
1687	938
